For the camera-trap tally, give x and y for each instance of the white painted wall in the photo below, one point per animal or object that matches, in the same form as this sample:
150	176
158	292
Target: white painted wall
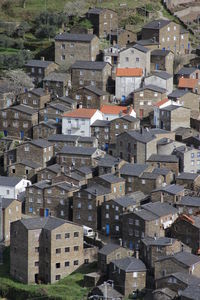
126	85
165	84
110	117
11	192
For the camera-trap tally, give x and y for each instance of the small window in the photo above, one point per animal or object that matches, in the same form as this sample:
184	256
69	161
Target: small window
67	235
58	236
58	250
76	234
75	262
67	263
76	248
57	265
57	277
67	249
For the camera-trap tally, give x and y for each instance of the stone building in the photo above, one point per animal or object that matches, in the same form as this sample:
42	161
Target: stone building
186	99
53	111
161	79
91	97
103	20
45	249
173	117
189	180
45	129
162	60
57	84
38	69
100	129
169	194
188	205
188	159
71	47
122	37
7	97
170	162
36	98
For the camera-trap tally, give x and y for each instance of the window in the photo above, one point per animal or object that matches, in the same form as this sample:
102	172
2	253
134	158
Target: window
36	263
149	102
62	202
62	213
58	250
137	222
168	28
81	72
5	124
63	46
71	45
75	262
35	102
174	27
7	192
192	162
141	94
107	216
39	200
127	59
4	114
92	82
79	195
89	218
116	228
67	249
89	206
174	38
67	263
81	82
116	217
57	277
141	103
57	265
116	126
76	234
49	191
48	200
137	59
76	248
58	236
25	125
143	181
62	57
135	274
30	209
192	155
130	221
125	126
107	206
114	189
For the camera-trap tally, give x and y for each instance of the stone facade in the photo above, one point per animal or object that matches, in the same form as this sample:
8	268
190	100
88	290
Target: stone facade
173	117
36	98
45	129
162	60
38	69
91	97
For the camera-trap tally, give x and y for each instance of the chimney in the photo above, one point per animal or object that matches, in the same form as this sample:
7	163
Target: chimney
120	242
42	58
137	254
120	113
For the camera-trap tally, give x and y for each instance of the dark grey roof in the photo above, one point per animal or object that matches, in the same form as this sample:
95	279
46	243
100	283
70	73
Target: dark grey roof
95	90
186	258
129	118
166	292
149	175
86	139
178	93
160	241
130	264
108	161
160	209
42	143
62	107
109	292
41	184
189	201
29	163
161	171
162	74
172	107
9	181
192	292
86	151
186	70
141	48
143	137
133	169
85	170
6	202
89	65
49	123
65	186
171	189
67	100
97	190
109	248
24	109
38	91
151	87
186	278
74	37
130	199
54	168
147	42
100	123
145	215
159	52
163	158
156	24
63	138
55	76
38	63
112	178
183	149
188	176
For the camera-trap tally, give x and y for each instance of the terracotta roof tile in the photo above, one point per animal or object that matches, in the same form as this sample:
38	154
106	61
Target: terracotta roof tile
81	113
129	72
187	83
113	109
158	104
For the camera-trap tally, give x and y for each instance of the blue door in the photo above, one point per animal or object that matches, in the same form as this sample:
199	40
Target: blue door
123	98
5	132
46	212
157	66
21	134
106	147
57	120
45	118
131	245
107	229
163	48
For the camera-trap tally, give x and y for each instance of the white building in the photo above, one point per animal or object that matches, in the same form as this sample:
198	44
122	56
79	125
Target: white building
11	187
111	112
161	79
156	110
78	121
127	81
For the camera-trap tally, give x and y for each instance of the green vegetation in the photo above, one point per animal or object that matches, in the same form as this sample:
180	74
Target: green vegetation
69	288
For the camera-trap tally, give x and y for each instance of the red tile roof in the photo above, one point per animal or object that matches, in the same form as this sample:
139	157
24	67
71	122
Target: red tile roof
187	83
113	109
85	113
158	104
129	72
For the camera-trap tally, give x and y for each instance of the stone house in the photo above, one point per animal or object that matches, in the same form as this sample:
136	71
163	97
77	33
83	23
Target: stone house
112	210
108	253
38	69
78	122
103	20
191	84
168	34
164	294
162	60
127	81
53	111
173	117
109	164
168	194
66	100
11	210
167	174
188	159
170	162
166	146
188	72
150	220
49	172
151	249
188	205
135	146
91	97
186	229
189	180
100	129
161	79
57	83
26	169
185	98
71	47
94	73
17	121
136	56
149	181
128	274
7	97
184	262
155	117
111	55
78	156
45	129
36	98
122	37
149	43
45	249
190	293
145	97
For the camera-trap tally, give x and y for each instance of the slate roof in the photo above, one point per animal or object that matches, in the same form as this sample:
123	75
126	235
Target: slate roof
178	93
89	65
130	199
28	163
163	158
192	292
97	190
55	76
74	37
95	10
151	87
171	189
145	215
141	48
100	123
63	138
160	52
67	100
38	63
144	137
95	90
11	181
42	184
62	107
109	248
186	71
130	264
24	109
189	201
171	107
186	258
85	170
133	169
160	241
188	176
157	24
6	202
78	150
162	74
149	175
129	118
112	178
161	171
186	278
147	42
108	161
160	209
54	168
38	91
42	143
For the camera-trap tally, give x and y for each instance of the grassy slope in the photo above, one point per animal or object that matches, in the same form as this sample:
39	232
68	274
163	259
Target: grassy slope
69	288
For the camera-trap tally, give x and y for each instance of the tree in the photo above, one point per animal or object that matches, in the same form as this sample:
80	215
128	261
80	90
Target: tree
76	8
18	81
